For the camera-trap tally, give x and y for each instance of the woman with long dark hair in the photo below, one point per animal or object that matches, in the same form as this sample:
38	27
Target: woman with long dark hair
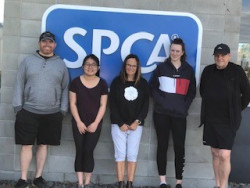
88	98
173	89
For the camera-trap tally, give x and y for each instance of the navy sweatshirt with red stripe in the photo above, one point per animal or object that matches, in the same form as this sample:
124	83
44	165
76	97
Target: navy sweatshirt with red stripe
173	90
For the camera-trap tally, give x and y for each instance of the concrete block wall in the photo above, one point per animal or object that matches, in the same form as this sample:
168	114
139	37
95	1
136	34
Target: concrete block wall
1	47
22	26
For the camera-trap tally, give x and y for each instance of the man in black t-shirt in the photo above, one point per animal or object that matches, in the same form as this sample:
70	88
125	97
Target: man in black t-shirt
225	92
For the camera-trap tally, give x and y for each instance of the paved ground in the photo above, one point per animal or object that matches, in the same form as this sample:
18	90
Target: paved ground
11	184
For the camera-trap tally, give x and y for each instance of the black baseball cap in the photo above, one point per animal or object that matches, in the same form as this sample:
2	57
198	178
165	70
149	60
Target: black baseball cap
221	49
47	35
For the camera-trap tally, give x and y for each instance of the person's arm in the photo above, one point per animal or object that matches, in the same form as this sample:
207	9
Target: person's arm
65	92
103	103
145	105
191	91
204	78
202	82
114	105
245	89
74	111
18	93
154	83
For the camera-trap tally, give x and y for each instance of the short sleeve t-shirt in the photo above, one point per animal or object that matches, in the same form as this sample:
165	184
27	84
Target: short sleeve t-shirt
88	99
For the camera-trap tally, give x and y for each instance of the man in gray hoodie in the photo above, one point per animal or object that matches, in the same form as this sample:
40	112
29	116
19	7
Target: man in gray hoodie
40	100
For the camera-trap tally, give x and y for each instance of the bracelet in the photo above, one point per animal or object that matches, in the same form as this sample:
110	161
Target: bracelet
138	121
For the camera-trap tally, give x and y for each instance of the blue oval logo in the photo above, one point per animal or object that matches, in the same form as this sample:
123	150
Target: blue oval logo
111	34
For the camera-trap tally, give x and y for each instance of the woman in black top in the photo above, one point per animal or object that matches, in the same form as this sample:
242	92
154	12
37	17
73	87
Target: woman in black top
129	101
173	89
88	99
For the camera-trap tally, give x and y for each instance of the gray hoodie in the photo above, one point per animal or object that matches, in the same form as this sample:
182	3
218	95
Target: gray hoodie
42	85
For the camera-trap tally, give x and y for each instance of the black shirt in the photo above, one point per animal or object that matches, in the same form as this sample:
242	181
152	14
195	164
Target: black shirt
218	97
128	102
88	99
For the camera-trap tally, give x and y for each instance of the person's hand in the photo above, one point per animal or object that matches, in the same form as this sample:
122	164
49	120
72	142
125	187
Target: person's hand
92	127
133	126
81	127
124	127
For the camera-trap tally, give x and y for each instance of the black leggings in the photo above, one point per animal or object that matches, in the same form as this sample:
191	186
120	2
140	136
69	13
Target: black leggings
163	125
85	145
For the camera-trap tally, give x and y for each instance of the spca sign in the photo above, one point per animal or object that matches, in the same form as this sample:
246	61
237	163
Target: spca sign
111	34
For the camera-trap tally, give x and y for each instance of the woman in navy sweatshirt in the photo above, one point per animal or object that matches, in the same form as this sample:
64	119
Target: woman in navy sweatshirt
173	89
129	101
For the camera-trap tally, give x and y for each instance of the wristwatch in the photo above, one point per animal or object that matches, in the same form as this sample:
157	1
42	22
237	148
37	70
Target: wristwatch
138	121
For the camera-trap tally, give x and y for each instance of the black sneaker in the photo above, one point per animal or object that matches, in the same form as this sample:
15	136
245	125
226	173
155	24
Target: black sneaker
22	184
87	186
39	182
178	186
80	186
165	185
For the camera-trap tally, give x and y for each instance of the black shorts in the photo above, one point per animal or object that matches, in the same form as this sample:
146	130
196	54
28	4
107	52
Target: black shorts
219	136
43	128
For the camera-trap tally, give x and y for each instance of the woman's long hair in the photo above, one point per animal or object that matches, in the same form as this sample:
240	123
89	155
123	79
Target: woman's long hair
123	74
